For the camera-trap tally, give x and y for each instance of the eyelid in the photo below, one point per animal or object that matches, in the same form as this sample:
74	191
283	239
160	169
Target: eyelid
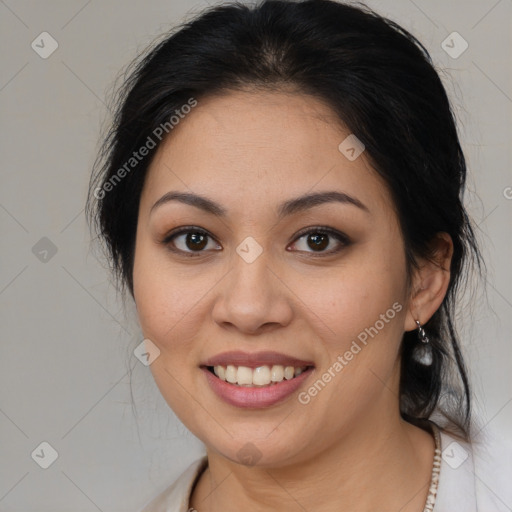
338	235
166	240
321	229
184	229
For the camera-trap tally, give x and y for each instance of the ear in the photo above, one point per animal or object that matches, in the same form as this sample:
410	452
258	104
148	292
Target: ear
430	282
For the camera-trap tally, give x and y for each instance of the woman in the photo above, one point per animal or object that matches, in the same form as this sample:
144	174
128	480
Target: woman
281	194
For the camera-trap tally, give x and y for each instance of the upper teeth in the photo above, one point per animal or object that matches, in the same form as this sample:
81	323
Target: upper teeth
261	376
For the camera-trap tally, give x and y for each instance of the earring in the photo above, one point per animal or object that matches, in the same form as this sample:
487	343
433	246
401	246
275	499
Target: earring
423	352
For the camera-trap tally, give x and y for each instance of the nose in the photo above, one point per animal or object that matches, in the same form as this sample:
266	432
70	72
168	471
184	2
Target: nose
253	298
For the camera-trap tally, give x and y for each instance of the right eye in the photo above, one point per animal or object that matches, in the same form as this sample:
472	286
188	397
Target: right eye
189	240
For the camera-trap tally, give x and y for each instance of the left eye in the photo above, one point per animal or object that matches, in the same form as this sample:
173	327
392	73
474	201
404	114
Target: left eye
320	239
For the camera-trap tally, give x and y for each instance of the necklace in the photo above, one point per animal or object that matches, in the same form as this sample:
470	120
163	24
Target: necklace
436	469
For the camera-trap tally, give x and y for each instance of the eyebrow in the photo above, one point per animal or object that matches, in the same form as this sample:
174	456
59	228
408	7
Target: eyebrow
290	207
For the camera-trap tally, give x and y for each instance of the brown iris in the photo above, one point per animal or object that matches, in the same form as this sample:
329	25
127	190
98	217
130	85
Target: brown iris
196	241
319	241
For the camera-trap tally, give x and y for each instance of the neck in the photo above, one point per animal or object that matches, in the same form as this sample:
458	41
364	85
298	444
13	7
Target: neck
381	466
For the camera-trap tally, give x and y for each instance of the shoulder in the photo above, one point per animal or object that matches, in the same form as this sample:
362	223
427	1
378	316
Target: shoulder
475	476
175	498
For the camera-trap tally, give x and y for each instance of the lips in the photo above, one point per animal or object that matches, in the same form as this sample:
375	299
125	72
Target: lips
255	396
254	360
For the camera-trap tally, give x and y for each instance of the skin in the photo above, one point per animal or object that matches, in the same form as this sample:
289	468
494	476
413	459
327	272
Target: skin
250	151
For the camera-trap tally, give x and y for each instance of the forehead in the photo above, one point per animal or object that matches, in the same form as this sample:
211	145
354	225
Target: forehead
258	147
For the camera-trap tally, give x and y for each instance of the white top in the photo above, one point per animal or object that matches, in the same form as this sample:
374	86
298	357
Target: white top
473	478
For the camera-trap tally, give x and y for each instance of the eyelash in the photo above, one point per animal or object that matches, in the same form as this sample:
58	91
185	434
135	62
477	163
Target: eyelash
323	230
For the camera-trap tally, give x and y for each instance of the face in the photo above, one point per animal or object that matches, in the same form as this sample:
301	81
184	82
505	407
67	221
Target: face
255	271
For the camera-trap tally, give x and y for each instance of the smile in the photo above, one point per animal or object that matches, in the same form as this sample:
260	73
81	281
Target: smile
256	377
256	396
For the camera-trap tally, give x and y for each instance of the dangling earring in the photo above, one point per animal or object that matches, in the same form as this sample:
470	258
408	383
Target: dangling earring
423	352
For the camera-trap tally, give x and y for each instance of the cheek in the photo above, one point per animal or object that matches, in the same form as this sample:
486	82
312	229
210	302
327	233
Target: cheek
354	295
166	311
162	298
173	305
363	305
360	350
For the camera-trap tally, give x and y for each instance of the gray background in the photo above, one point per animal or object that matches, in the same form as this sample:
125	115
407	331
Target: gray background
67	342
